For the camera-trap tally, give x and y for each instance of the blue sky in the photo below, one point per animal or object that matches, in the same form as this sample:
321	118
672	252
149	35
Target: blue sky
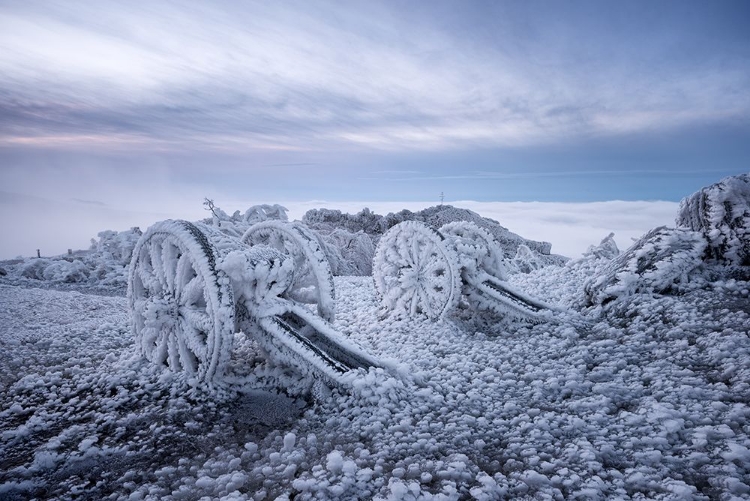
127	105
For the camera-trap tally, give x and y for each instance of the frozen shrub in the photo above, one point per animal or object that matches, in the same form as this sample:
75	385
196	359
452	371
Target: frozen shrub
349	253
54	270
263	212
33	268
116	246
66	271
237	224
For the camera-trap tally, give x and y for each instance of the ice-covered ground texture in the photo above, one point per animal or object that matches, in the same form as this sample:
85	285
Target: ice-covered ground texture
638	391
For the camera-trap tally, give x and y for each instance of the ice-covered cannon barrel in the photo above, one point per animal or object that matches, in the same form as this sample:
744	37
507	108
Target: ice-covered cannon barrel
419	270
192	288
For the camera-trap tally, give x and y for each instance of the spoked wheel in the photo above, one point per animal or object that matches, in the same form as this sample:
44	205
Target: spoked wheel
182	307
416	272
313	280
489	254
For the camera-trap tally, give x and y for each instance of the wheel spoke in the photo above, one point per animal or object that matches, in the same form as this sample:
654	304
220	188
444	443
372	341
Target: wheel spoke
191	293
149	281
158	347
414	302
155	253
194	339
197	319
169	264
188	360
183	273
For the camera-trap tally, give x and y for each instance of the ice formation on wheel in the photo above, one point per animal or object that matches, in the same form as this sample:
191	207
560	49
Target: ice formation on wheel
418	270
191	288
313	280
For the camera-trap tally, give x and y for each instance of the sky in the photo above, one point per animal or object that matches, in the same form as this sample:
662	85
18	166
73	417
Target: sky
115	114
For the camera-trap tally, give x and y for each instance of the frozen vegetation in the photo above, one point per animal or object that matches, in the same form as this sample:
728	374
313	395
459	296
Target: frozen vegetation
635	386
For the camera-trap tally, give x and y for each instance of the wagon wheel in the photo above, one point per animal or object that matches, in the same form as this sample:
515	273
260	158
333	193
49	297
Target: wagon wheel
490	254
313	280
416	272
182	306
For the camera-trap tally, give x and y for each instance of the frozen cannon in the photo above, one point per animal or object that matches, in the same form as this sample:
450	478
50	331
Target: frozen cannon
420	270
192	290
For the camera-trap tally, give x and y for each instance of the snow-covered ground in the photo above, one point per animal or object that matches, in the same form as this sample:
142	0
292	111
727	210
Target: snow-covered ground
646	400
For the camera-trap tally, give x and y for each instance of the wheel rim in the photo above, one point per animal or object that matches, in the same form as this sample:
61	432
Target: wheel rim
490	254
415	272
313	280
182	311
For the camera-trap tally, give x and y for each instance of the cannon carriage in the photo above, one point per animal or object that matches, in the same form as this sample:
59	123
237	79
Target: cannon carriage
420	270
191	288
194	290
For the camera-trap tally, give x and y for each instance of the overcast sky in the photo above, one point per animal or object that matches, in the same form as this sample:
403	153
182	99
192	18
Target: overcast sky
127	108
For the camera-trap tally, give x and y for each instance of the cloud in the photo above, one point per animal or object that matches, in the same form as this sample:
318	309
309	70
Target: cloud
52	225
306	77
89	202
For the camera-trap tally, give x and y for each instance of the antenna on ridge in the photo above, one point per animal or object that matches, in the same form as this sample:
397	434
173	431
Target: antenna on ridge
442	197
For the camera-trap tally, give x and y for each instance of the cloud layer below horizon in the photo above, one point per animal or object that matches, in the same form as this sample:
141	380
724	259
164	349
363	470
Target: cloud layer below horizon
64	224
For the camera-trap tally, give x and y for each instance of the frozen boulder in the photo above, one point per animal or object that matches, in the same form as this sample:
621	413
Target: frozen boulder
722	213
659	262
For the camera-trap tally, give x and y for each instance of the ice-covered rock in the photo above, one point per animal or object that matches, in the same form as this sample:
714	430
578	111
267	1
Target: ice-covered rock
660	261
326	222
721	212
